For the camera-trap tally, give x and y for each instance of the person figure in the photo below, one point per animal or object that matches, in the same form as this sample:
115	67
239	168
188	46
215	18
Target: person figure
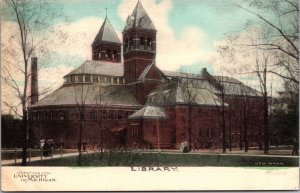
61	144
295	147
46	149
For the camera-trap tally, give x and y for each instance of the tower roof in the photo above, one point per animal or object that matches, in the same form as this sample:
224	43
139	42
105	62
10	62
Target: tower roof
106	34
139	18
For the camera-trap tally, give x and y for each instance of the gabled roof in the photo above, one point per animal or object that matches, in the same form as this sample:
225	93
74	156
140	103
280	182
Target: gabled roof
143	75
90	94
106	34
99	68
139	19
149	112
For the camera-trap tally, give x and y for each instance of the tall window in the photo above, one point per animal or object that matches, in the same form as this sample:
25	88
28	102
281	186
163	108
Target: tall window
72	78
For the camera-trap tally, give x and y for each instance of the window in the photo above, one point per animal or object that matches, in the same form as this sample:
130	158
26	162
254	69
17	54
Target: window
80	78
99	55
114	55
68	79
115	80
120	80
111	115
103	114
62	116
74	115
87	78
142	41
93	115
108	80
120	114
108	54
102	79
72	78
47	117
95	78
149	42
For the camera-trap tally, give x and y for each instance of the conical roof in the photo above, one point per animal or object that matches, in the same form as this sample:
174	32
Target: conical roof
106	34
139	18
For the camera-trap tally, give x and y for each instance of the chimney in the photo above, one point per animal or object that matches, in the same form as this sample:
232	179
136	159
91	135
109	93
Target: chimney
34	92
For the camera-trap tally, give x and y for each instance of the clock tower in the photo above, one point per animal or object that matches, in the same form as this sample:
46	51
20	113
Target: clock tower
139	44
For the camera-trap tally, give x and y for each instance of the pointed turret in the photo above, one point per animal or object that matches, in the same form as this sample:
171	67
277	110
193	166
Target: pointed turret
139	19
106	34
107	45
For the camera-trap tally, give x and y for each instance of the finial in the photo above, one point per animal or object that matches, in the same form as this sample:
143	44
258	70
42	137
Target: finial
105	12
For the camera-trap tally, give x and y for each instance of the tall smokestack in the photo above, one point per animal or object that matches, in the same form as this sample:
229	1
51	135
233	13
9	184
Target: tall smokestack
34	81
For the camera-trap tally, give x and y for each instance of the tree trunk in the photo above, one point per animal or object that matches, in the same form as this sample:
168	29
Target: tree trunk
24	136
266	126
80	138
190	128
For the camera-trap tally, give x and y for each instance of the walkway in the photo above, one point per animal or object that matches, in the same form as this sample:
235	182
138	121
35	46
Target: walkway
11	162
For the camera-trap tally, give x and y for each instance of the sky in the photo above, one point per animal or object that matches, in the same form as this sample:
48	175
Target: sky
188	32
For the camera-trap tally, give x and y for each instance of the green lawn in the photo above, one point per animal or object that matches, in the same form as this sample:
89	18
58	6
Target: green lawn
162	159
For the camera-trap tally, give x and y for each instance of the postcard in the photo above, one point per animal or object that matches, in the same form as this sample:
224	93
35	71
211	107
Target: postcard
149	95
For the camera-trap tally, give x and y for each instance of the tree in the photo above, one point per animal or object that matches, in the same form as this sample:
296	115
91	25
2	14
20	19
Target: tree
101	98
285	116
82	91
280	35
33	21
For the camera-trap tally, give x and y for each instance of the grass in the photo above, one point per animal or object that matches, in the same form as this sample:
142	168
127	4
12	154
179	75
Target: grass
162	159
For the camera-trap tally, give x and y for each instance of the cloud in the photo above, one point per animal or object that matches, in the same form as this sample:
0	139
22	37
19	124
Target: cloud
173	50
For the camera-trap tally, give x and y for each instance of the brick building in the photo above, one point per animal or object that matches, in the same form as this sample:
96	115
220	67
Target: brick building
132	101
